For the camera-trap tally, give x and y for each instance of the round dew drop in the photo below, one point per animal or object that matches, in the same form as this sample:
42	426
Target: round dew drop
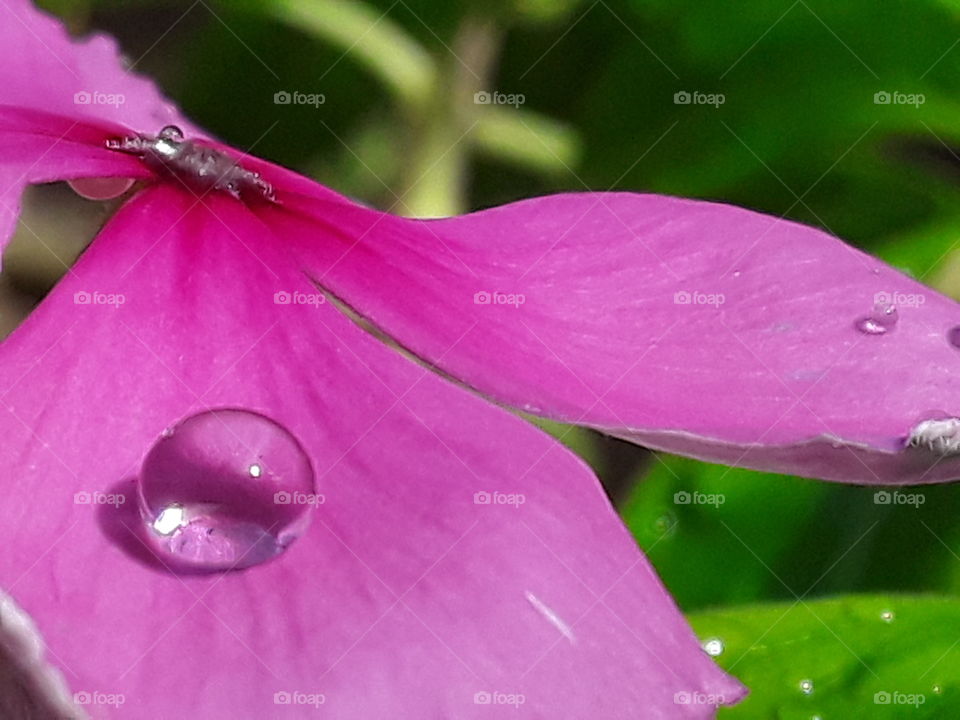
225	490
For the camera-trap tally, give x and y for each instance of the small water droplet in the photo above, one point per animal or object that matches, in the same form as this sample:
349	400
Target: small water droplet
221	491
100	188
937	689
664	523
806	686
170	132
887	616
882	319
736	273
713	647
953	336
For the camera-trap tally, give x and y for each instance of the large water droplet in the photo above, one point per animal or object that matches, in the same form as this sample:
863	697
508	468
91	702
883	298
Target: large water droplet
100	188
225	489
881	319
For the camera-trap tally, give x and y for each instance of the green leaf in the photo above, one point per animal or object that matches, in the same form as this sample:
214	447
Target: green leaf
867	656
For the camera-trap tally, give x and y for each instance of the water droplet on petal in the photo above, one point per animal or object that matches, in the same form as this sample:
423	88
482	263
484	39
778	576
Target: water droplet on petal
953	336
225	489
100	188
806	686
713	647
881	319
170	132
887	616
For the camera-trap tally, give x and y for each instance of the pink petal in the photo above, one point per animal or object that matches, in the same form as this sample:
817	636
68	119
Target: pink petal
45	69
36	147
573	307
404	598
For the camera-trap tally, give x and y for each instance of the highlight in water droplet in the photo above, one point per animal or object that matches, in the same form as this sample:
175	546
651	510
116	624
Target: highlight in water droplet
100	188
225	489
887	616
882	319
806	686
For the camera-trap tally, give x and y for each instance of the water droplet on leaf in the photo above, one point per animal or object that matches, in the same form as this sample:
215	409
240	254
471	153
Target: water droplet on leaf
887	616
713	647
225	489
806	687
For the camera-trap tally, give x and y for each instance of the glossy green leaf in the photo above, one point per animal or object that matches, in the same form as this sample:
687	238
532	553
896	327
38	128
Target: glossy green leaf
875	656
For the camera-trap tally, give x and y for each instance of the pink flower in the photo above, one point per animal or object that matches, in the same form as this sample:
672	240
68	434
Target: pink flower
442	556
409	549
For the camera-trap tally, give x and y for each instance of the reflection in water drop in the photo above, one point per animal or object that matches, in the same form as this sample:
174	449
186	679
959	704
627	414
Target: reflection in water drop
225	489
887	616
937	689
713	647
882	319
806	686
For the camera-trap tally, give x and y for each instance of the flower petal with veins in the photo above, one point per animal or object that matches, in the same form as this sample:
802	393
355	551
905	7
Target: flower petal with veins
405	598
687	326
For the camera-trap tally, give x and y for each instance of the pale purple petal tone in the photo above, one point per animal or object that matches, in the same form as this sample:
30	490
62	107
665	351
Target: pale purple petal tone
688	326
405	598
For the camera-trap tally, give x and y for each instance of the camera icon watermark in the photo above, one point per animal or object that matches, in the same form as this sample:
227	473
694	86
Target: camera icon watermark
899	698
484	297
285	97
298	698
499	698
683	497
695	297
692	697
283	497
495	97
684	97
283	297
499	498
896	97
87	97
99	498
95	697
885	497
84	297
899	299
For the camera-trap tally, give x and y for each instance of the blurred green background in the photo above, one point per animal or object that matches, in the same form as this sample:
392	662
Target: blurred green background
840	115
